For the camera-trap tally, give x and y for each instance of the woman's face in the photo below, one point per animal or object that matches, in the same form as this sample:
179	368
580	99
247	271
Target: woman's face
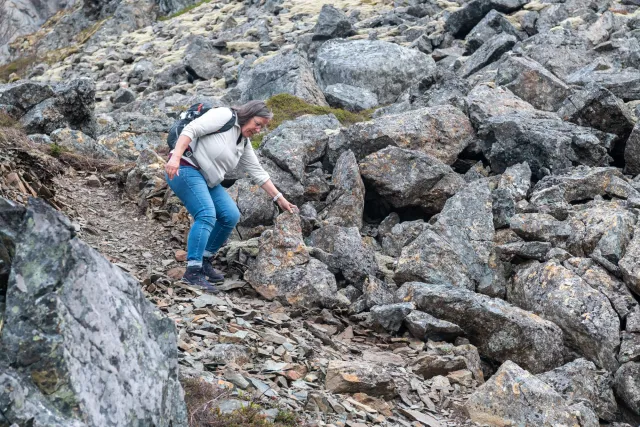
253	126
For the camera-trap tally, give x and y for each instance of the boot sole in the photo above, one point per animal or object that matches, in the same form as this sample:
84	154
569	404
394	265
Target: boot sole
211	290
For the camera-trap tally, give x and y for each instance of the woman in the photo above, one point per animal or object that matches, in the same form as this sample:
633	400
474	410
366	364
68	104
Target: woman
195	178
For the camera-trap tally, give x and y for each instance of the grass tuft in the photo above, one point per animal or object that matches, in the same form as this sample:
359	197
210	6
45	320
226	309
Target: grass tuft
203	398
288	107
183	11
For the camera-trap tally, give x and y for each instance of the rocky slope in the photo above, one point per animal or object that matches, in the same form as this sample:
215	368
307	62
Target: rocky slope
468	255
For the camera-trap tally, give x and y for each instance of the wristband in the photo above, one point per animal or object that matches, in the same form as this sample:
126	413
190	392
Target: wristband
276	197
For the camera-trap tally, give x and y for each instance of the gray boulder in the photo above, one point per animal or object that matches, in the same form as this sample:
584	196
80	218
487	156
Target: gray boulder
202	58
487	100
284	270
600	279
562	52
65	300
623	83
257	210
365	64
342	250
24	94
171	75
590	325
513	187
461	21
632	152
298	143
332	24
493	23
515	397
391	316
406	178
554	194
598	108
489	52
426	327
359	377
122	97
501	331
441	132
43	118
345	203
376	292
78	142
401	235
629	347
630	263
75	99
626	384
549	145
580	380
282	73
350	97
532	82
458	249
524	250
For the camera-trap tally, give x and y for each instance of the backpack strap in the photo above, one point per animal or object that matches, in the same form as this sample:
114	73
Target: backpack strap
231	123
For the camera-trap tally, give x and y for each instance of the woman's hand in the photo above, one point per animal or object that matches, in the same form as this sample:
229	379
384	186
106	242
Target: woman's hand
286	206
172	167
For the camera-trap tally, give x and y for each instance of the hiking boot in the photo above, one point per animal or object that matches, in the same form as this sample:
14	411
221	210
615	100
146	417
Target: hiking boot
215	276
195	276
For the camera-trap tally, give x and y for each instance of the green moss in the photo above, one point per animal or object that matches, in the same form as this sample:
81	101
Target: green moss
183	11
20	66
288	107
56	150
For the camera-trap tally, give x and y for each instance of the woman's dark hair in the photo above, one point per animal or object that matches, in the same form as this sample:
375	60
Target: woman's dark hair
252	109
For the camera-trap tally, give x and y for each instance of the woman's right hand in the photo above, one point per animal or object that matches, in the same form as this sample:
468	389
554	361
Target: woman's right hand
172	167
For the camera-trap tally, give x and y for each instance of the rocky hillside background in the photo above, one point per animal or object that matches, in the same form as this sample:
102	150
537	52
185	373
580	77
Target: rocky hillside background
466	251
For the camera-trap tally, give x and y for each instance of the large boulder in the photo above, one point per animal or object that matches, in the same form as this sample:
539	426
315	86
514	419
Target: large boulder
284	270
350	98
591	327
299	142
501	331
458	249
359	377
515	397
342	250
407	178
555	194
562	52
75	99
202	58
43	118
549	145
257	210
281	73
581	380
489	52
632	152
598	108
365	64
78	142
441	132
332	24
345	203
492	24
462	20
24	94
627	385
610	286
532	82
623	83
487	100
80	336
400	236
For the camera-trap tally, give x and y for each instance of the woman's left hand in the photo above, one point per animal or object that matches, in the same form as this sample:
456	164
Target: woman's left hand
286	206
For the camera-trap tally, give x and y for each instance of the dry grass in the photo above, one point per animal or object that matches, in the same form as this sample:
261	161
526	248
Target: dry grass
203	398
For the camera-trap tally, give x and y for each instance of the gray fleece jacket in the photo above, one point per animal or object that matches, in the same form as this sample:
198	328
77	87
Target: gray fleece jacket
217	153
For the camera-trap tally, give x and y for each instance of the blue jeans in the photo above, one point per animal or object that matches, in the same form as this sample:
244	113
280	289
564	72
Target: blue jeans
214	211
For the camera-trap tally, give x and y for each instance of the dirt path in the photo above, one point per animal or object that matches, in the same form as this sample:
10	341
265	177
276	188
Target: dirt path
279	354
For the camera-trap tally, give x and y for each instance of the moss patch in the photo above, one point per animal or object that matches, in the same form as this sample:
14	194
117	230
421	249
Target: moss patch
19	66
288	107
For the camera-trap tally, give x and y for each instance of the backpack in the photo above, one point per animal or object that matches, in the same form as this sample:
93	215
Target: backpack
186	117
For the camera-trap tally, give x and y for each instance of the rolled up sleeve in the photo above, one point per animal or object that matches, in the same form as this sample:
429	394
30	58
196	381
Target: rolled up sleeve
208	123
250	164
